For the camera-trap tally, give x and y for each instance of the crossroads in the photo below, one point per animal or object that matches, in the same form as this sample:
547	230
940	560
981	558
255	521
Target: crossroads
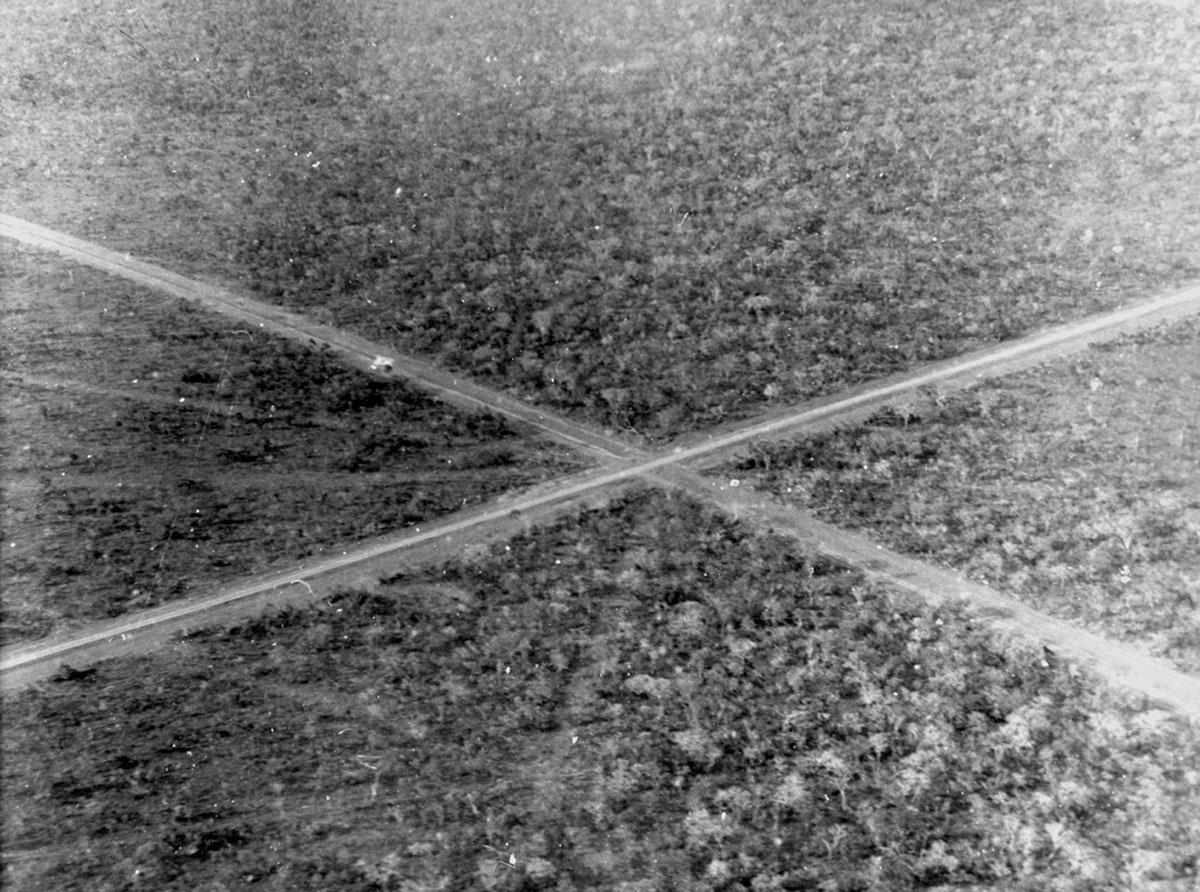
619	463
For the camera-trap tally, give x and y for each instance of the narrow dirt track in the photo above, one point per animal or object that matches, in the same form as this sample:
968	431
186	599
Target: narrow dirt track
149	397
462	392
357	352
362	566
621	465
1116	663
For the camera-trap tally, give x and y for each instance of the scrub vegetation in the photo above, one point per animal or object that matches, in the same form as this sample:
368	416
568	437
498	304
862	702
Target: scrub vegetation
654	215
152	451
1073	486
644	696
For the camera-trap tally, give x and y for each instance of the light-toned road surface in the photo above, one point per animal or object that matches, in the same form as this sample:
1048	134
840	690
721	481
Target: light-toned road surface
462	392
1118	664
355	351
621	464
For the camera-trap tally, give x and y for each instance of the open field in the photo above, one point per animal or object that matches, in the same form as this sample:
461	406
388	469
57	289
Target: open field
150	448
1073	486
646	696
659	217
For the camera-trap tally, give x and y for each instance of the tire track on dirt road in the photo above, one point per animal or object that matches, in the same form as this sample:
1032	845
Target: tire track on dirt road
70	388
622	465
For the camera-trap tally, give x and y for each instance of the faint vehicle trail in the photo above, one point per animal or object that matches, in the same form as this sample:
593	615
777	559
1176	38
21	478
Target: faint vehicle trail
621	464
148	396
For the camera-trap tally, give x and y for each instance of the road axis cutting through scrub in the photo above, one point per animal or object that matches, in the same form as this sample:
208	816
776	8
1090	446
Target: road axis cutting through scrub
622	462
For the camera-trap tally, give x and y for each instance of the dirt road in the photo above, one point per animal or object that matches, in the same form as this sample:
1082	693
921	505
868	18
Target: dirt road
622	464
